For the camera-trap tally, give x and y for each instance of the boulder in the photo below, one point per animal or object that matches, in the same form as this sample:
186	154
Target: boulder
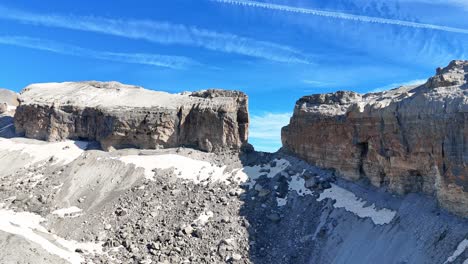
121	116
409	139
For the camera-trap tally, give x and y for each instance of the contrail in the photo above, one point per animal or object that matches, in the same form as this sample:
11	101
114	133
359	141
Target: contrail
340	15
162	33
173	62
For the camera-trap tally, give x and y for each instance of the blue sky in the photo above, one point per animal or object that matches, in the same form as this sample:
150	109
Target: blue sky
276	51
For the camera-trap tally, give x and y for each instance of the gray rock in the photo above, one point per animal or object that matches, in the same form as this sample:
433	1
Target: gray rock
236	257
274	217
121	116
311	183
409	139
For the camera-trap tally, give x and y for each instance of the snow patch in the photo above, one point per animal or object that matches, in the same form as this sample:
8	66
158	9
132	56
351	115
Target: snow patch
348	200
361	106
203	218
281	201
63	152
28	225
250	174
68	212
185	168
297	184
460	249
11	108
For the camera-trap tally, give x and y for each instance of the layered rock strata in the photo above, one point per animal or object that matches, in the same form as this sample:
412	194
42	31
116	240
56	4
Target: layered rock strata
121	116
410	139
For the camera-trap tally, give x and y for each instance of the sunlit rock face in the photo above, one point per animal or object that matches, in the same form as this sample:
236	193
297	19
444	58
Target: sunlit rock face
410	139
121	116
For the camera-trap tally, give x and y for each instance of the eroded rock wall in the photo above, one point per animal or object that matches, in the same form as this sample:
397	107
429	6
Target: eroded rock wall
410	139
121	116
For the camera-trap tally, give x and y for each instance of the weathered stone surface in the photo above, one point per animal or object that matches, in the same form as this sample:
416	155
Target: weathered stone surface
411	139
120	116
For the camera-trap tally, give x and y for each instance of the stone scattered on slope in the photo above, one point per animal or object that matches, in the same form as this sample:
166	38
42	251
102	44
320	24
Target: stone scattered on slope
122	116
259	212
410	139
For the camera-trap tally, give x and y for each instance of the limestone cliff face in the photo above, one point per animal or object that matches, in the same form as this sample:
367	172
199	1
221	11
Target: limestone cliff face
120	116
410	139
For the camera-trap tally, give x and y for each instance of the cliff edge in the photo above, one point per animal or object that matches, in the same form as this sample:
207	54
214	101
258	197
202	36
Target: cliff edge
123	116
409	139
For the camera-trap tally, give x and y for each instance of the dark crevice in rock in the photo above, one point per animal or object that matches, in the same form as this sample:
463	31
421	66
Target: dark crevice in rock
363	150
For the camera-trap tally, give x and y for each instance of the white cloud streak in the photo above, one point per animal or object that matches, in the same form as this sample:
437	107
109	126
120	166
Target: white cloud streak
343	16
458	3
173	62
268	125
163	33
265	130
318	83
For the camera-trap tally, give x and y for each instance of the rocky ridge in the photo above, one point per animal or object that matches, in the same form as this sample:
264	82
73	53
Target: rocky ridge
409	139
121	116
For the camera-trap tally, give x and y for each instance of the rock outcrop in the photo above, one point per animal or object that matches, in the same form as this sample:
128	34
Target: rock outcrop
121	116
409	139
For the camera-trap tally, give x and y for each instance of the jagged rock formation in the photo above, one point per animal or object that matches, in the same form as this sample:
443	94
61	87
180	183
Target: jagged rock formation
120	116
411	139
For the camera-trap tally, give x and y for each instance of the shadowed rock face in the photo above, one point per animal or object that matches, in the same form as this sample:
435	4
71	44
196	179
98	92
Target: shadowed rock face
411	139
120	116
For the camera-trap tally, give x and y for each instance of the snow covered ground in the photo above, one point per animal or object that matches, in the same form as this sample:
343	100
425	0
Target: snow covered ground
28	225
460	249
348	200
95	170
62	152
68	212
203	171
185	168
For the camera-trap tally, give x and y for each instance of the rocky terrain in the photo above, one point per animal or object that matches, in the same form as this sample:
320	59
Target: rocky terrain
409	139
177	200
122	116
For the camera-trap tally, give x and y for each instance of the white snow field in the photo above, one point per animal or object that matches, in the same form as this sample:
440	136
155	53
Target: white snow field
185	168
68	212
28	225
63	152
348	200
460	249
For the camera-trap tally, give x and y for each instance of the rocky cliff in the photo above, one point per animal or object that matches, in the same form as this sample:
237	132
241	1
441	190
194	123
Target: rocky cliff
120	116
409	139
